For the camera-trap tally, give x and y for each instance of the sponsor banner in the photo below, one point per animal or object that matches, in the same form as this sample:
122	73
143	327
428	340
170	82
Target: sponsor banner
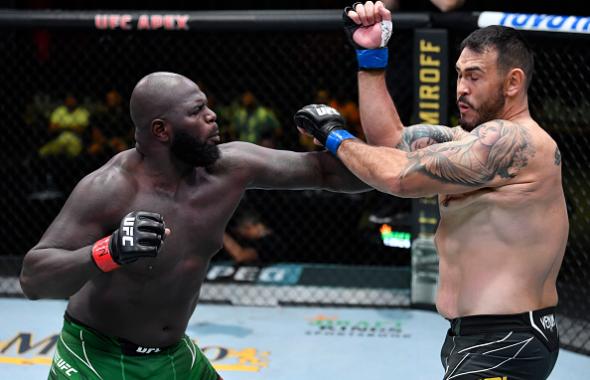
310	275
332	325
24	349
430	76
537	22
281	274
121	21
431	57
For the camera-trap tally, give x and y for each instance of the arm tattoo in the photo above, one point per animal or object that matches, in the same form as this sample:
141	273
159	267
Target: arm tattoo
422	135
557	156
494	148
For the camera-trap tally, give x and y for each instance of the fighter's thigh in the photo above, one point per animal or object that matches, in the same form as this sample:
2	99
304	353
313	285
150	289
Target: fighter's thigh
75	362
200	368
65	366
447	349
522	358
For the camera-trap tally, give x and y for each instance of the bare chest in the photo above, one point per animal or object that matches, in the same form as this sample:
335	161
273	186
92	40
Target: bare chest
196	217
471	216
502	217
452	203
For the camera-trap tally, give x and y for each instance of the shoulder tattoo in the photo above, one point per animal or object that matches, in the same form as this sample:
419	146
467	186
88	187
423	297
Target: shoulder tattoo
494	149
422	135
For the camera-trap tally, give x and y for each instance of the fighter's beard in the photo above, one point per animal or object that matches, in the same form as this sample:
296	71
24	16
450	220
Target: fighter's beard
193	152
490	110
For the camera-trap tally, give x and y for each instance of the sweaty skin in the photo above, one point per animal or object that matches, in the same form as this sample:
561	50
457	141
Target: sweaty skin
500	248
504	225
150	301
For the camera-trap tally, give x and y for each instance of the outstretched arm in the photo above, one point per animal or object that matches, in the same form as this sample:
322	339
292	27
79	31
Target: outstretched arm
265	168
494	154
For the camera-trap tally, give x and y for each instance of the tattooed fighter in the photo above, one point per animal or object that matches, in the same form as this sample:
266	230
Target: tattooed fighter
504	225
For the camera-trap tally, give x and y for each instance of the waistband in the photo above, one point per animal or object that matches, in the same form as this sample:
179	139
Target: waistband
536	320
112	343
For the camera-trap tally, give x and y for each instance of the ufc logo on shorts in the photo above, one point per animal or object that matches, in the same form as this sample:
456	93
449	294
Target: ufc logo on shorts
146	350
128	231
326	111
548	321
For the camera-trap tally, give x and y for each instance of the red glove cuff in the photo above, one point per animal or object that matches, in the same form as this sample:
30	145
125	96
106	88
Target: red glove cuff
102	255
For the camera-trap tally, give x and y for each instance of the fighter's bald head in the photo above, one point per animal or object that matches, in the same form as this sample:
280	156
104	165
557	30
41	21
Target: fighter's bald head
157	94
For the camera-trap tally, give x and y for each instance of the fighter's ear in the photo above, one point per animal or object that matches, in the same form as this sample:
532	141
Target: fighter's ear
160	130
514	82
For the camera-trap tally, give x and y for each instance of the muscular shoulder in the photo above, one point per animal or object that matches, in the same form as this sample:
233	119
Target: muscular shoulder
459	133
95	206
110	187
234	152
538	144
511	146
512	136
240	155
420	136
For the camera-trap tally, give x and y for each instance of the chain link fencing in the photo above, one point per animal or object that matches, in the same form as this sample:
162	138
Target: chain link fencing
283	70
559	100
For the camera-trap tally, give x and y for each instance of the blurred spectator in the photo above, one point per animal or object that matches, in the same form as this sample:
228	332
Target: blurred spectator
225	121
350	111
110	127
255	123
38	111
36	114
347	108
68	122
250	240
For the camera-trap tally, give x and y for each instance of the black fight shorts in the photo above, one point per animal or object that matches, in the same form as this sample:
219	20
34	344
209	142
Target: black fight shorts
501	347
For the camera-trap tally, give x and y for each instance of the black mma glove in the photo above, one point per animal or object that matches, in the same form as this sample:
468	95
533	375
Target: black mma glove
140	234
370	42
324	123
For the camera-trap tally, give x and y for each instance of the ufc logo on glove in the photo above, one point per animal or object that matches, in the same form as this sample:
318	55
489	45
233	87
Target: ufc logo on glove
325	110
128	224
140	234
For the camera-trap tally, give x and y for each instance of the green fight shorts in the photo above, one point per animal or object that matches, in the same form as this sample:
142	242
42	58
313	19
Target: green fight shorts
85	354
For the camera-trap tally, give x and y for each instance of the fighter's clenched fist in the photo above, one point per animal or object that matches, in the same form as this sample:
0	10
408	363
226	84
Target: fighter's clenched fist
368	27
140	234
324	123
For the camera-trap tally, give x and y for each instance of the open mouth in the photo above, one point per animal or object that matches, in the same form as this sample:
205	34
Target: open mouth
463	107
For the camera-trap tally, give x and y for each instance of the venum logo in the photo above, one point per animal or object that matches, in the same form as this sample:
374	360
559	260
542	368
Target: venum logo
548	321
128	231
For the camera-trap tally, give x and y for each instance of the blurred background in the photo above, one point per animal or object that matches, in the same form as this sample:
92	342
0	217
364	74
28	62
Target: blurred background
524	6
67	77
